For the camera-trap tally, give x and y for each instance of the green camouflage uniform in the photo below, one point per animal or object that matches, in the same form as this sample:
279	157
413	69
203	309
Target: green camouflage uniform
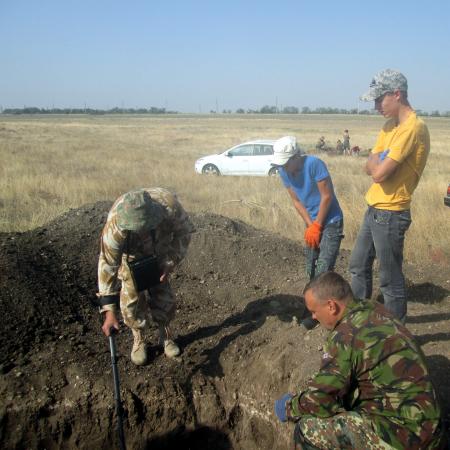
172	237
372	391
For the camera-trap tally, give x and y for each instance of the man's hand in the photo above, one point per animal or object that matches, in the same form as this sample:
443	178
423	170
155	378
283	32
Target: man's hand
167	270
372	160
110	321
313	234
281	407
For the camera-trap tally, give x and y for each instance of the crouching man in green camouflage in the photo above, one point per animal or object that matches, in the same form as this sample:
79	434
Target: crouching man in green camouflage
373	390
142	223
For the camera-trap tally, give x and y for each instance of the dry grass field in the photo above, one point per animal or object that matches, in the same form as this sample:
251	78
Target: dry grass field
51	164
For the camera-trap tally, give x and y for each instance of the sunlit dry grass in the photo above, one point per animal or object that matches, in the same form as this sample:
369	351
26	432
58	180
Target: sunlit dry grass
51	164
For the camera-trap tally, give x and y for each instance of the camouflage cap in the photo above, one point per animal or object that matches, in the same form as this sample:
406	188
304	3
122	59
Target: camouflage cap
388	80
138	211
284	149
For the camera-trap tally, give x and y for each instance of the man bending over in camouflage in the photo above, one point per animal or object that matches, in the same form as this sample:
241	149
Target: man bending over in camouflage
373	390
142	223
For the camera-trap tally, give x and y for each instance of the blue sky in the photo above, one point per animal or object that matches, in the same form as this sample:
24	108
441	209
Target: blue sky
184	55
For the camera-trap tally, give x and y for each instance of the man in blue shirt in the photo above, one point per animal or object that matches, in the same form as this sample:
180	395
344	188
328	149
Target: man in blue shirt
309	185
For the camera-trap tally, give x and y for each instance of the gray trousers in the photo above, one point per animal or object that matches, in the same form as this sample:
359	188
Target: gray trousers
382	235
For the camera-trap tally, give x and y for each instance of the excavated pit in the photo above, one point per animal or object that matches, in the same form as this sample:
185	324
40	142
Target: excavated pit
239	304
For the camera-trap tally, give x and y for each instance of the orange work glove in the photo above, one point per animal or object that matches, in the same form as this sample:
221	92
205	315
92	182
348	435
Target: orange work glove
312	235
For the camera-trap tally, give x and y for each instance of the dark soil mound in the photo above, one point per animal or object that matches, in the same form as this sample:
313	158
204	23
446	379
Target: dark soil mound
237	323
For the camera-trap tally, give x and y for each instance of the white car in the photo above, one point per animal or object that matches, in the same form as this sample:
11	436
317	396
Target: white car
249	158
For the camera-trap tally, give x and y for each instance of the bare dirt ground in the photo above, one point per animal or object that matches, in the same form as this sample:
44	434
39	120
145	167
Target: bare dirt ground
239	305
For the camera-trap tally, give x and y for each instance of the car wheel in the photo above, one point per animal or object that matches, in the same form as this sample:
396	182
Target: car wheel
273	171
210	169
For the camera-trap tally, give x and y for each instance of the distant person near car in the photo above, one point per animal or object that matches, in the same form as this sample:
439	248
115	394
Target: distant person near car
148	227
339	147
321	145
373	389
395	164
346	143
309	185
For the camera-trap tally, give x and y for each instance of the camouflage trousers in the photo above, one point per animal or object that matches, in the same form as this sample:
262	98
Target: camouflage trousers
343	431
136	306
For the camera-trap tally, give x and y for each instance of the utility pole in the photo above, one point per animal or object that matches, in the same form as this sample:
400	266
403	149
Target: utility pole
276	104
217	106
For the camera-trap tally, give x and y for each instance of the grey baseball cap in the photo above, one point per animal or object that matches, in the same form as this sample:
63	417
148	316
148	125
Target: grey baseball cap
138	211
388	80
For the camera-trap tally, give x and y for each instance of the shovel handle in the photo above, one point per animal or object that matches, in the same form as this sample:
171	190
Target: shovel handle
118	401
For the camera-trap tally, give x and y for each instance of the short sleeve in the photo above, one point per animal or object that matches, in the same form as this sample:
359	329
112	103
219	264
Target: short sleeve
318	170
403	145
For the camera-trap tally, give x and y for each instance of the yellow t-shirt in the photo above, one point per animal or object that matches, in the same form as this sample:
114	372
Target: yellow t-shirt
409	145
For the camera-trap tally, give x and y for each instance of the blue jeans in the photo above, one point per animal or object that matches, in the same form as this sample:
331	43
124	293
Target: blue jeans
324	258
382	235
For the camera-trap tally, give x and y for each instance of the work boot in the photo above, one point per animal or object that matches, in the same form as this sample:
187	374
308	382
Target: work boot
139	350
171	349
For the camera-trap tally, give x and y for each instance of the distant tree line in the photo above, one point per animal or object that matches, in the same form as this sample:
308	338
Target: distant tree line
116	110
266	109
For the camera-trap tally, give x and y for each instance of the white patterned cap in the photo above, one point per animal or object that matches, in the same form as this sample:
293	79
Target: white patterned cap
388	80
284	149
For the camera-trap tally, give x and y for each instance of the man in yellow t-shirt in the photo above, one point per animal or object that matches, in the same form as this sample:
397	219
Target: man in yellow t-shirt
395	165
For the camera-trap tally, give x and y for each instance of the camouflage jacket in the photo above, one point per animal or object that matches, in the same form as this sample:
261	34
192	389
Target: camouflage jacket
172	237
373	366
